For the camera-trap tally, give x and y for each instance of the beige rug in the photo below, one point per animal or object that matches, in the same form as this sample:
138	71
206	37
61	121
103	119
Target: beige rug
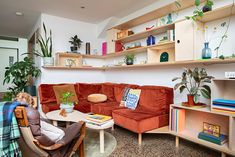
92	144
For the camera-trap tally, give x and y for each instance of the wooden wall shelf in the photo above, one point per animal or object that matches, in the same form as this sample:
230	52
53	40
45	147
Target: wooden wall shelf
65	54
217	14
72	68
144	34
165	45
163	11
205	62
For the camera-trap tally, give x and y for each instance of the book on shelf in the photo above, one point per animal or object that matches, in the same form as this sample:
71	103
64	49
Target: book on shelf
210	138
98	118
223	105
178	120
171	35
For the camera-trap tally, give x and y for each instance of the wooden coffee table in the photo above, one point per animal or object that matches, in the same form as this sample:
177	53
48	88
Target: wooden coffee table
77	116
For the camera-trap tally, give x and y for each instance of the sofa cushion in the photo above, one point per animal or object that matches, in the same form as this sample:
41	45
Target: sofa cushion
50	107
119	90
61	89
97	98
46	93
139	121
83	106
85	89
105	108
156	98
108	89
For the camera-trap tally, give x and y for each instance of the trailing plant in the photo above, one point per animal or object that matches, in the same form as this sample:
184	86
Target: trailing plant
65	98
198	12
195	82
19	73
129	57
75	41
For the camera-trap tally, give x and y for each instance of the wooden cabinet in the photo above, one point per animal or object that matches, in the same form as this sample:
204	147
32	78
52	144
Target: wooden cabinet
189	37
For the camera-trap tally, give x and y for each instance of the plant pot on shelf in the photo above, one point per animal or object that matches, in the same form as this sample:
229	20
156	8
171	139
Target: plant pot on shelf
129	62
74	49
48	61
30	90
191	100
206	8
68	108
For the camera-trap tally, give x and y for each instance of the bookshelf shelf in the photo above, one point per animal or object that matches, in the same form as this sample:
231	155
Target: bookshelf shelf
193	125
72	68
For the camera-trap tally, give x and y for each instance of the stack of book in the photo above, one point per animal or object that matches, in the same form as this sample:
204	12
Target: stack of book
97	119
224	105
177	120
210	138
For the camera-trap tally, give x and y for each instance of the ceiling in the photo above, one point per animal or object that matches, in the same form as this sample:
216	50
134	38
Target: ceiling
95	11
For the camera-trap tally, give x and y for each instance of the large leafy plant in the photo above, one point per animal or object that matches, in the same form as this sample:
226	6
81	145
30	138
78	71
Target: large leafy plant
195	82
19	73
45	44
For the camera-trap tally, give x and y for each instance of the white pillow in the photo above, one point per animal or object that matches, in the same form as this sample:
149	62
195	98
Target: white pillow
53	133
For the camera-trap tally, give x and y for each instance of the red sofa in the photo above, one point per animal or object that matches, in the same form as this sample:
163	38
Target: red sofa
151	113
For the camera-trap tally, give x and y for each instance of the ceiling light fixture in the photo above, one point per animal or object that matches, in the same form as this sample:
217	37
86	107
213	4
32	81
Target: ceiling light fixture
19	13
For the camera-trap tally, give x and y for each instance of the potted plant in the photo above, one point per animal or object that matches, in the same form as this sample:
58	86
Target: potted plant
129	59
76	43
208	6
66	102
19	75
46	48
195	82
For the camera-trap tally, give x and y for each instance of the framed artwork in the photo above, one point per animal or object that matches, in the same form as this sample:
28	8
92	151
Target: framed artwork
211	129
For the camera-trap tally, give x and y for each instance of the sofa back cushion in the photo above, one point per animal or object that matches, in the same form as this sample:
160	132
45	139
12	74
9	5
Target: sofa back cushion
119	90
108	90
46	93
156	98
85	89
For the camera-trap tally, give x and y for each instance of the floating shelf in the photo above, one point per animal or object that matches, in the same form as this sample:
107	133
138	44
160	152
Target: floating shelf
70	54
219	13
72	68
144	34
207	62
164	45
160	12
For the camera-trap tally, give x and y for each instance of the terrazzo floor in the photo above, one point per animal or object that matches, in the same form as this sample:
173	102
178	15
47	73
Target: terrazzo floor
156	145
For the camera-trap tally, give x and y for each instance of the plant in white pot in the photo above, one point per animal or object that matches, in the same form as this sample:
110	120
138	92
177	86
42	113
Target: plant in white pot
45	44
66	102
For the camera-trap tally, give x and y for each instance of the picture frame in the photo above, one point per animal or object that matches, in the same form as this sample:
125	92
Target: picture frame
211	129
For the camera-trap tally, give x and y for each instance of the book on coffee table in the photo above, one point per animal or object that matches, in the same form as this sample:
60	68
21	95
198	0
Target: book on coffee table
97	118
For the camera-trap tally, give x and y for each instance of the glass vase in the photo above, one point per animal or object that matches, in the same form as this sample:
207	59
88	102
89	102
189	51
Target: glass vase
206	51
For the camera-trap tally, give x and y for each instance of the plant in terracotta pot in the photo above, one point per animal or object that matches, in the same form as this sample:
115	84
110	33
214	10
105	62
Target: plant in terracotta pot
19	75
195	82
129	59
76	43
66	102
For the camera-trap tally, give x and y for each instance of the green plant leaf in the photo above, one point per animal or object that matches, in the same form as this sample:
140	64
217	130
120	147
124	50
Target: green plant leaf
205	93
197	2
176	78
182	88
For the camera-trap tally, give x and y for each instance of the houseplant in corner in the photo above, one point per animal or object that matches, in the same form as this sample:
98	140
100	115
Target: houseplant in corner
129	59
66	102
45	44
19	76
76	43
195	82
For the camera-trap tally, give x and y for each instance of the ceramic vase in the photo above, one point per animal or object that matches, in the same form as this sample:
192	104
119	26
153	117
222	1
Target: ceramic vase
48	61
206	51
191	100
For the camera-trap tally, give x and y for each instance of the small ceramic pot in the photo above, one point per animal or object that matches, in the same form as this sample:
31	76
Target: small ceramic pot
191	100
129	62
206	8
48	61
67	108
